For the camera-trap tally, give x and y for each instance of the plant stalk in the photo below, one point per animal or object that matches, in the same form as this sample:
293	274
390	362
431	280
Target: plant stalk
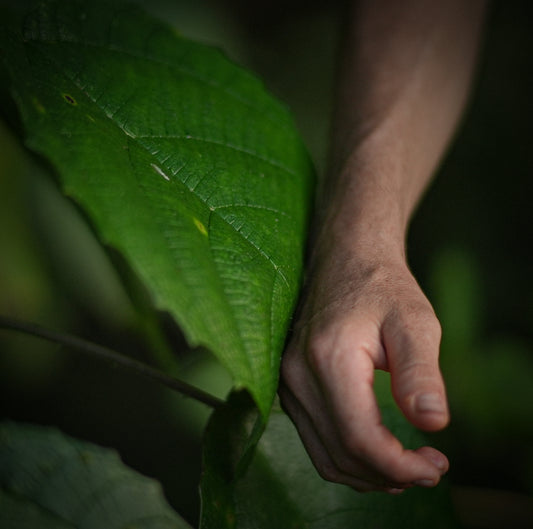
112	357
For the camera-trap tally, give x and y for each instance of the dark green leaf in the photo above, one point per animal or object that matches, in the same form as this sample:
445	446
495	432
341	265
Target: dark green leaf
281	488
182	161
19	513
49	480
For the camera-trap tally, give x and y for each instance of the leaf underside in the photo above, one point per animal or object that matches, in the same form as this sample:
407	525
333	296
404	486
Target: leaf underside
182	161
281	488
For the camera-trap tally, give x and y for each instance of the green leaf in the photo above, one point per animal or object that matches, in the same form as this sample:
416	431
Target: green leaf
182	161
229	444
281	488
49	480
19	513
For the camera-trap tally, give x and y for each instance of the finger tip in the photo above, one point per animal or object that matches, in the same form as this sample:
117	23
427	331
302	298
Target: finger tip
426	483
429	411
436	458
395	491
432	422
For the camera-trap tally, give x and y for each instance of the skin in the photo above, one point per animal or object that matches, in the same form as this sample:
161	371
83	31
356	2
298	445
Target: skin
404	81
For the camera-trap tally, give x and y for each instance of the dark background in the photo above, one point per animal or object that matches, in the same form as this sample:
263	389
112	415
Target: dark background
469	246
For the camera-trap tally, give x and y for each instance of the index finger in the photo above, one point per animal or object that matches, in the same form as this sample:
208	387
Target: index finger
346	377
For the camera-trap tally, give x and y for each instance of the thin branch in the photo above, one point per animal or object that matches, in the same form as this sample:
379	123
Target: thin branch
112	357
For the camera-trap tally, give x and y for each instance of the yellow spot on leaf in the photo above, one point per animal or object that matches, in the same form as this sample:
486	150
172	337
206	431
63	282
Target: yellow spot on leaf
200	226
38	105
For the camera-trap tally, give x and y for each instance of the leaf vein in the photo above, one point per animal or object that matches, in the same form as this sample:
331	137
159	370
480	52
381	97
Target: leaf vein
231	146
253	206
151	153
173	66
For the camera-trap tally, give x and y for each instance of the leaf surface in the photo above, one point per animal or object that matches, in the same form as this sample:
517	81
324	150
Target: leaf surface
182	161
281	488
49	480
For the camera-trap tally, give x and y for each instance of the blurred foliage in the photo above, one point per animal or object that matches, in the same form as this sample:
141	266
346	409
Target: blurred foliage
52	481
469	246
281	488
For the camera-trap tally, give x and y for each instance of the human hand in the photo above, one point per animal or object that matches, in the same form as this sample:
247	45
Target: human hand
358	316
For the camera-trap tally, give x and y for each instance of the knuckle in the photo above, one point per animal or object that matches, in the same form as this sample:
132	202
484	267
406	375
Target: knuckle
421	315
416	327
318	349
431	325
414	374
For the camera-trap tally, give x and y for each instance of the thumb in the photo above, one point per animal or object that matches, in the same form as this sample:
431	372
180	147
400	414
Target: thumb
412	344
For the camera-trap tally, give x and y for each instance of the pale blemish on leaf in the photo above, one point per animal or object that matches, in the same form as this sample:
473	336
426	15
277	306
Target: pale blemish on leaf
160	171
201	228
128	132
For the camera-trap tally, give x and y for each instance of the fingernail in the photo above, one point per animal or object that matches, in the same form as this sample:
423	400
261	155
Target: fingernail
395	491
429	403
424	483
440	463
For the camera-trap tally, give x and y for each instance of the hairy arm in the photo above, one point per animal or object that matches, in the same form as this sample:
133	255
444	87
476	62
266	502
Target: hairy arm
404	81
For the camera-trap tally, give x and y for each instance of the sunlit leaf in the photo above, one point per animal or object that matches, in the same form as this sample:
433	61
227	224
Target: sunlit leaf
182	161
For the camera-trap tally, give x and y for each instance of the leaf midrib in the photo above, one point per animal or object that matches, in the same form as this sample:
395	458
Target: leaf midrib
275	266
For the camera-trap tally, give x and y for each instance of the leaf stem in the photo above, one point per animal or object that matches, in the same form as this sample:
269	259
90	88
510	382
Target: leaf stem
112	357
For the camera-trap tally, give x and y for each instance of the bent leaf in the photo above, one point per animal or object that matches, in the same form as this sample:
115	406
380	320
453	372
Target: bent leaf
182	161
281	488
49	480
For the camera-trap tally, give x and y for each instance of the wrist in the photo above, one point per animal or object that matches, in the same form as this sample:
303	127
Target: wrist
376	184
357	243
362	226
368	200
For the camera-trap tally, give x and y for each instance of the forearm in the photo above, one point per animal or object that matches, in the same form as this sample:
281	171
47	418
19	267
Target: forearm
404	81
